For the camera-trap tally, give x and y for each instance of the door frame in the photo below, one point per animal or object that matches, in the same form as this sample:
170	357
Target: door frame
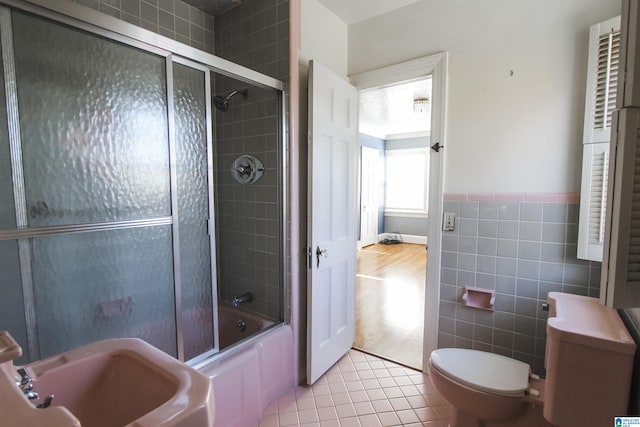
436	66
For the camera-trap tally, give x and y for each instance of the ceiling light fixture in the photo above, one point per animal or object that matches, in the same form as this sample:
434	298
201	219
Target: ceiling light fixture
420	105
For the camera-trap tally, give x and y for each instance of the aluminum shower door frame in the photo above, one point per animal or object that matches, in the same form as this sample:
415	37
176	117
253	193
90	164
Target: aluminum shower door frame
94	22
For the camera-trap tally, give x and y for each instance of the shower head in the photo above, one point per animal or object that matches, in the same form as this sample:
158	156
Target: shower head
222	102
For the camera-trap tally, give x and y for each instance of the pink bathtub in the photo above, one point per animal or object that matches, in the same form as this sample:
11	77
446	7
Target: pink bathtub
236	324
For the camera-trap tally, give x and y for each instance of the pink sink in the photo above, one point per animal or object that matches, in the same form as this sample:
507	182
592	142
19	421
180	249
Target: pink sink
119	382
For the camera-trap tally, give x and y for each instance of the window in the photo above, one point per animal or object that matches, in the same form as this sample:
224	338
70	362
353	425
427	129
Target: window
406	189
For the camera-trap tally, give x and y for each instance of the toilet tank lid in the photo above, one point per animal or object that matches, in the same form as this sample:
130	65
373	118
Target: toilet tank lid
488	372
583	320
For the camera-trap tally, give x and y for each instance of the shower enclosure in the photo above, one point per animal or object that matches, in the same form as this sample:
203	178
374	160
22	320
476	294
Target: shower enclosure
119	212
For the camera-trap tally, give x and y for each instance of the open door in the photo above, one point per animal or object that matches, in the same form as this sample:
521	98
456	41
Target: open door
331	235
369	188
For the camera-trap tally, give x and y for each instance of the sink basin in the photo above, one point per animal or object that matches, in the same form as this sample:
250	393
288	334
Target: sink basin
119	382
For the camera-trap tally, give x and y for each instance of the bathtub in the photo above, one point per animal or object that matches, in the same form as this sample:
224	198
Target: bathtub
250	376
236	324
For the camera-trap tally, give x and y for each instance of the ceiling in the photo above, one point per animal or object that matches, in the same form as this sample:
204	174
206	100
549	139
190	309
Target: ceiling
389	113
353	11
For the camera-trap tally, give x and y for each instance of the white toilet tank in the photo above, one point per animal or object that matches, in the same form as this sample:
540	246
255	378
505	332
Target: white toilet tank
589	361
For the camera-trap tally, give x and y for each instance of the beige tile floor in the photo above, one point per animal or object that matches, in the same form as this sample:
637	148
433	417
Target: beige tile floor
362	391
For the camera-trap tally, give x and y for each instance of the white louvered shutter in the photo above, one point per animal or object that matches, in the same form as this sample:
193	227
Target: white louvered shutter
602	81
606	82
598	156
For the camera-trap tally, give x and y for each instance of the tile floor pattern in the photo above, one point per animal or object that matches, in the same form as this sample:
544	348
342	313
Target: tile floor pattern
362	391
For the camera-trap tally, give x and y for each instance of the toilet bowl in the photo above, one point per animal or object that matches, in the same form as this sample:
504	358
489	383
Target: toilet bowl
480	386
588	359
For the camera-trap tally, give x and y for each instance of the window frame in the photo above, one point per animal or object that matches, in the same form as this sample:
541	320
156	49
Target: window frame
422	212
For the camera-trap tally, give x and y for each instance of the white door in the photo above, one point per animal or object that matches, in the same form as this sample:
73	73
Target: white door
331	240
369	196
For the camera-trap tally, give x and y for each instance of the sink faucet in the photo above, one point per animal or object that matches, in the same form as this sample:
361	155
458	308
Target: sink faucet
26	384
239	299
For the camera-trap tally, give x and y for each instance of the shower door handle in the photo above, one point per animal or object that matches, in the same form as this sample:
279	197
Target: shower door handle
319	253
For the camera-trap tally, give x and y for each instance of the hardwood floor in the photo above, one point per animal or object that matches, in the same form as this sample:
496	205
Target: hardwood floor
390	287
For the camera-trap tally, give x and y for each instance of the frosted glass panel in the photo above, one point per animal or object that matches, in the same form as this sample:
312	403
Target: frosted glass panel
92	286
11	304
93	118
193	210
7	209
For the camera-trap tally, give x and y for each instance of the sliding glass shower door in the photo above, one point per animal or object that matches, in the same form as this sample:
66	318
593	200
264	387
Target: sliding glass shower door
105	192
193	159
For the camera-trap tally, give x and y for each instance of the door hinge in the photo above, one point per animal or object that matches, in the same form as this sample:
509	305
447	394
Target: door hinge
309	254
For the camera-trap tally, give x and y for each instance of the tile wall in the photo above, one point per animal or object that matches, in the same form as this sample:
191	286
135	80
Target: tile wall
248	220
254	34
522	250
171	18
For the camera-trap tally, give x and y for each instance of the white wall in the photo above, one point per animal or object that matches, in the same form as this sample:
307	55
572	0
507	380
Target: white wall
324	37
519	133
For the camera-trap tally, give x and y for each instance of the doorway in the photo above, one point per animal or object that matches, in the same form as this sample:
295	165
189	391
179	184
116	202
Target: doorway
394	123
435	67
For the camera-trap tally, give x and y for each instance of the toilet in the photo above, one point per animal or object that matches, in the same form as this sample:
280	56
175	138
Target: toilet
589	362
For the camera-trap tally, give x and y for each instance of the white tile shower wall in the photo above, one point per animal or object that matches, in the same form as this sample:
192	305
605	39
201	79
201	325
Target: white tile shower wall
522	250
171	18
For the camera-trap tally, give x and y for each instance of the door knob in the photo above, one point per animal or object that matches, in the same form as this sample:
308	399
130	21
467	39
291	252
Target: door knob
319	253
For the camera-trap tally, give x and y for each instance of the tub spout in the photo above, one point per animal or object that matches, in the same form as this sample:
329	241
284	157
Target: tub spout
246	297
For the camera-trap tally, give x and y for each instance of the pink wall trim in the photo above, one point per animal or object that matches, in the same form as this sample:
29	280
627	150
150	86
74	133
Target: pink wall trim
514	197
294	190
568	197
295	35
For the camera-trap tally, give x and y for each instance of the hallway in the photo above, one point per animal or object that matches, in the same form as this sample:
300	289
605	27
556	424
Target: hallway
390	288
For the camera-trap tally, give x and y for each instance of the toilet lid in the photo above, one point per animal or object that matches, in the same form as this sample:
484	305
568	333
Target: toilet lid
483	371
